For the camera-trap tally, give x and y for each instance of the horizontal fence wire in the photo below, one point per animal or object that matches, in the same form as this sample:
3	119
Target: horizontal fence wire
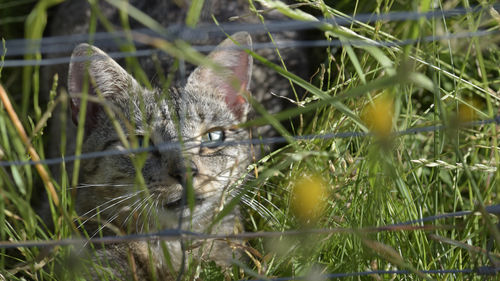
183	32
66	44
167	146
485	270
257	46
180	234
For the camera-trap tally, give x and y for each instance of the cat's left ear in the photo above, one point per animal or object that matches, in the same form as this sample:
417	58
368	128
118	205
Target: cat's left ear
231	82
90	64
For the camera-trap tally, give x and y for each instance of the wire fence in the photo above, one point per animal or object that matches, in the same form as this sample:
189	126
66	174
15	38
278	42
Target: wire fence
482	271
65	44
187	144
176	31
60	44
179	234
257	46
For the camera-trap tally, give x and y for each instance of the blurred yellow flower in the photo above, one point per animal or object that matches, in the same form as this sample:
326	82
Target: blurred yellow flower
378	115
467	111
309	197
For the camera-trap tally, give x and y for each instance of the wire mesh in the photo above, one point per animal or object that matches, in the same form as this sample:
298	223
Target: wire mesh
65	44
180	234
187	144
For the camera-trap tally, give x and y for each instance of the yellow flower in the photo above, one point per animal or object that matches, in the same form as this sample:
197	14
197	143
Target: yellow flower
309	197
467	111
378	115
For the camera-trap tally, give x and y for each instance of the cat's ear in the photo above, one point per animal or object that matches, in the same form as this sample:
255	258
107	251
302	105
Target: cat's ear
233	80
101	74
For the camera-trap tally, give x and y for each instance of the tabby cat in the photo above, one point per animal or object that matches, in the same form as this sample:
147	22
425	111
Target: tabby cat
201	117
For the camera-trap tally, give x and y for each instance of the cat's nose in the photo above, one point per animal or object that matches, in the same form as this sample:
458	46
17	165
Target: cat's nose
180	172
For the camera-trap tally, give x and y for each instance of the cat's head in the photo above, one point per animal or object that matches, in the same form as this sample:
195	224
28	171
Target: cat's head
199	119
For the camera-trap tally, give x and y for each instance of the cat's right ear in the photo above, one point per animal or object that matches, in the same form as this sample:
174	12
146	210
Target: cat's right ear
93	70
232	82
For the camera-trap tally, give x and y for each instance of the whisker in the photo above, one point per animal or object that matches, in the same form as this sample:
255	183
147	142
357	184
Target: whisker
156	208
259	208
265	199
101	227
143	205
123	198
261	211
152	204
255	189
87	185
139	203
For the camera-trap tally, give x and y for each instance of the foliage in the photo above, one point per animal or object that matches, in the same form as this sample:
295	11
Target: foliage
371	181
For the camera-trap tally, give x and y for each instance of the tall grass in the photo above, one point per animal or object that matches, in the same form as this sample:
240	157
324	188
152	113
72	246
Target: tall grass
364	182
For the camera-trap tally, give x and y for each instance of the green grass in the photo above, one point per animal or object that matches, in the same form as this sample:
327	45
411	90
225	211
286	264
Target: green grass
372	181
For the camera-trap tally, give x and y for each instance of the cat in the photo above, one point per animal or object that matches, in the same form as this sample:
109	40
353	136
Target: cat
204	114
98	187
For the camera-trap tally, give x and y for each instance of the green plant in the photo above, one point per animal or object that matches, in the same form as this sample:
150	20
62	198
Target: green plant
370	181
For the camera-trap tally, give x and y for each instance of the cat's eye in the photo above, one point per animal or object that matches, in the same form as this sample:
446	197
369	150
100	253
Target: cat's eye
216	136
213	138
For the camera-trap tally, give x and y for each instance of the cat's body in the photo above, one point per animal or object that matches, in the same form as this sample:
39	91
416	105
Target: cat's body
202	115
